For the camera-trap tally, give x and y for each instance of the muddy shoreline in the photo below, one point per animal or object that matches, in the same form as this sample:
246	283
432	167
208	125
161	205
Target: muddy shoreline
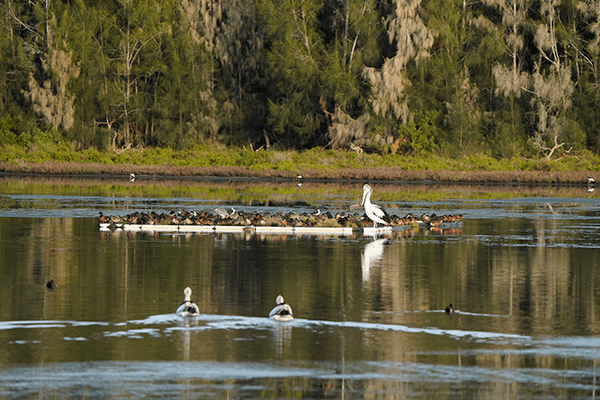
362	174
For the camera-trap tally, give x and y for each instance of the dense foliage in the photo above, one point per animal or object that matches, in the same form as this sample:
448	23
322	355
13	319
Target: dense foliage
500	77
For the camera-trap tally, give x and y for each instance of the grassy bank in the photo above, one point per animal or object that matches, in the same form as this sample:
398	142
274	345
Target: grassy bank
217	160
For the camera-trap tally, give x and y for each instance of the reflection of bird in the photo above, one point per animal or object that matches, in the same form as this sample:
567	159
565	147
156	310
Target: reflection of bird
372	253
131	177
591	183
223	213
450	309
51	284
373	211
188	307
298	178
281	312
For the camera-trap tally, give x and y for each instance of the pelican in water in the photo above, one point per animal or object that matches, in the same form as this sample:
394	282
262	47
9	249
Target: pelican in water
188	307
282	311
373	211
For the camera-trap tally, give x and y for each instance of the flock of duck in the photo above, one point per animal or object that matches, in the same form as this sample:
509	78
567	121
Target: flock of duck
375	214
281	312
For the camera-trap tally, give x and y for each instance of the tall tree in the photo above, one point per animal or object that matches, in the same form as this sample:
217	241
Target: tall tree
294	57
412	40
552	85
511	76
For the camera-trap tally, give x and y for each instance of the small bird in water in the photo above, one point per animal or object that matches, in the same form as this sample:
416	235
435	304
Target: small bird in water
281	312
375	213
51	284
450	309
131	177
188	307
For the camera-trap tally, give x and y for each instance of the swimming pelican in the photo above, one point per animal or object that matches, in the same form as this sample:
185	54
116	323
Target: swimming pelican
374	212
450	309
223	213
281	312
188	307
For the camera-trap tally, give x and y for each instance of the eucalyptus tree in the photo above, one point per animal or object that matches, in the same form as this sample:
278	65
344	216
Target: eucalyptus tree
448	85
511	75
585	47
131	55
294	56
17	43
351	31
552	85
230	34
409	42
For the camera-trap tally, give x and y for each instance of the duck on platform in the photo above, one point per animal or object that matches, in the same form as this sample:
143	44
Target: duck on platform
188	307
281	312
224	214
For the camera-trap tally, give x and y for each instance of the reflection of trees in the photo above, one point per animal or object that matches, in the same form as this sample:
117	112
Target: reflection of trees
530	276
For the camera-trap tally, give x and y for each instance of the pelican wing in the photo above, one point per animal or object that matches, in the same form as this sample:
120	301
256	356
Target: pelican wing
380	212
280	310
188	308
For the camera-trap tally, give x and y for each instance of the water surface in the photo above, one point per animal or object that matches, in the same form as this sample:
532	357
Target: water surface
520	270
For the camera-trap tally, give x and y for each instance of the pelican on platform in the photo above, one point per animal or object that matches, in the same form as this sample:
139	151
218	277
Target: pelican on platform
281	312
373	211
188	307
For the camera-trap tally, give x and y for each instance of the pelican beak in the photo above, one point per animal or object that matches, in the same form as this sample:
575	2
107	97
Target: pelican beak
362	203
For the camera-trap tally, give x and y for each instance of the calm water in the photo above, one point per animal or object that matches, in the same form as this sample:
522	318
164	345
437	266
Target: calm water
521	271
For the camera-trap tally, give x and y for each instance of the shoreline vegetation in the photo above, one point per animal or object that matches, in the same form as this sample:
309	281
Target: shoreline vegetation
314	164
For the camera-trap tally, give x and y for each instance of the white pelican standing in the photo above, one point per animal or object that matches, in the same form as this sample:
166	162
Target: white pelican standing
188	307
373	211
281	312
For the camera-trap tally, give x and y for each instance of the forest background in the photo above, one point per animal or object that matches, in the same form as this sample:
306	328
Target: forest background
497	79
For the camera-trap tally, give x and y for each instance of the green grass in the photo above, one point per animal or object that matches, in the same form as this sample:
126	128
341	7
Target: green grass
313	159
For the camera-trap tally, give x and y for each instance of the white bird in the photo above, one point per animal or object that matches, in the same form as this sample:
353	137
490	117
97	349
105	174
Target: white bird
281	312
188	307
131	177
373	211
223	213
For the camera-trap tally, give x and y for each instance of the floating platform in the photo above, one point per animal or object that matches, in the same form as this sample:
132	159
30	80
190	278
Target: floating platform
276	230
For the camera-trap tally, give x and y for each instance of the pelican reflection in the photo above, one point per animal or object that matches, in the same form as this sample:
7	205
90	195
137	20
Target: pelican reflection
372	254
